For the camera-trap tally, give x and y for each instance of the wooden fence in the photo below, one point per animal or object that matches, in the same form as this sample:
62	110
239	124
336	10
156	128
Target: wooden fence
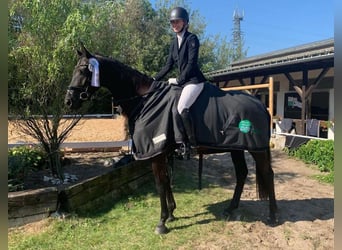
269	85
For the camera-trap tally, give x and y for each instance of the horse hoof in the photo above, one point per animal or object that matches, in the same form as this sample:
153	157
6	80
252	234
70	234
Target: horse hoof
171	218
227	213
161	230
272	221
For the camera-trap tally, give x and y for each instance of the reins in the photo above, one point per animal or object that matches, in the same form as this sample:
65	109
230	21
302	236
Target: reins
123	100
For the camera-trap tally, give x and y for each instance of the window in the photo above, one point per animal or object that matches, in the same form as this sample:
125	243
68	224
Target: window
292	106
320	106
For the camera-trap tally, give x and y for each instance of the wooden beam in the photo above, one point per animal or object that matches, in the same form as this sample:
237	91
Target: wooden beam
293	83
270	87
317	81
226	83
242	82
304	99
256	86
299	91
264	79
254	91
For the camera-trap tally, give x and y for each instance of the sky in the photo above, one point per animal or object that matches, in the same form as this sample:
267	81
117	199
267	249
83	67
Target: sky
269	25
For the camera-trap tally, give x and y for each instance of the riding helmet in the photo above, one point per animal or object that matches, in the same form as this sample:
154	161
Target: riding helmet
179	13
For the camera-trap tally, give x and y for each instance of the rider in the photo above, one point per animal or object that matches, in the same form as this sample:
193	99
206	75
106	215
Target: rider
183	52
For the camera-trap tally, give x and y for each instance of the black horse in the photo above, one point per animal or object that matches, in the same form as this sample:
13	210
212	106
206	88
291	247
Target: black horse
131	89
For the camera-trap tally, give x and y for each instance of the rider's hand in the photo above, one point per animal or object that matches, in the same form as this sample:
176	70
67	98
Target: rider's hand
173	81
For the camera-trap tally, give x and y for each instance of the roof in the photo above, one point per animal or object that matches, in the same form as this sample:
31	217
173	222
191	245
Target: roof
308	56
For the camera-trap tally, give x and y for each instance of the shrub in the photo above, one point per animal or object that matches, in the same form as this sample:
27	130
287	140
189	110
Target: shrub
22	160
318	152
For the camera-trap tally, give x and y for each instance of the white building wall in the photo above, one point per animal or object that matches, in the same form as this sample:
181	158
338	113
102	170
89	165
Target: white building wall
331	130
331	104
280	103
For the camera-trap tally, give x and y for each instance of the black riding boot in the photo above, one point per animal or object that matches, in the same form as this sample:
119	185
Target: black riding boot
189	127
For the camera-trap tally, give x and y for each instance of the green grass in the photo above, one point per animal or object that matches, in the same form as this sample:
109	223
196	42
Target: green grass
130	222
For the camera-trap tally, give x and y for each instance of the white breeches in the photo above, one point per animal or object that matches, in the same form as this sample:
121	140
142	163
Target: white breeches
189	95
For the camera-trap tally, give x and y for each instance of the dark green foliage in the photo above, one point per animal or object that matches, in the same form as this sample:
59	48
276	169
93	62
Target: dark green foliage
22	160
320	153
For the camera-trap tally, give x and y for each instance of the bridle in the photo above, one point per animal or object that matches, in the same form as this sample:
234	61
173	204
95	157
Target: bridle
84	93
86	90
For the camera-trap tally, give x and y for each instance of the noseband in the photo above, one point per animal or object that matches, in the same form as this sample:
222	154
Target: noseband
84	93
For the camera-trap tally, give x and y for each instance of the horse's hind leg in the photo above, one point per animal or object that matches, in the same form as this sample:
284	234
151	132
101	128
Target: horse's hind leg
265	181
241	171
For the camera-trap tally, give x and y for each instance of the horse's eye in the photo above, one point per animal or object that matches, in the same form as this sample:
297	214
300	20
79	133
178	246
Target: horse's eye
83	70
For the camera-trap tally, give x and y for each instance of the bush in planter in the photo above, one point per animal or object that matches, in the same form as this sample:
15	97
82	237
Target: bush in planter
22	160
320	153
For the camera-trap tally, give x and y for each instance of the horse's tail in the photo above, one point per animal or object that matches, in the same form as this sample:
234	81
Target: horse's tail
264	175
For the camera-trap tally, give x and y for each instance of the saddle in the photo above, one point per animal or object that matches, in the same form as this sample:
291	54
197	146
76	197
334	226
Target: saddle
222	120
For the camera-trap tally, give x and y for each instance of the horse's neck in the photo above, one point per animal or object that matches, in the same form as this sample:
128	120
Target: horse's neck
126	84
117	73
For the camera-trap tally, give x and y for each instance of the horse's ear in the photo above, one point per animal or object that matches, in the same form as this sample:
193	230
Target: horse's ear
85	52
79	53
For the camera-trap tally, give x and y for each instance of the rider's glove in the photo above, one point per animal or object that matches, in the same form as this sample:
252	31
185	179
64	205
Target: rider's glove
173	81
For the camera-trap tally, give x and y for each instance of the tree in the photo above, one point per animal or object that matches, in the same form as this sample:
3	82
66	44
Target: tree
41	55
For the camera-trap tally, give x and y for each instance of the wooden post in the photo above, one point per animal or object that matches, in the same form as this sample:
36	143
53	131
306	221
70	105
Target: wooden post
256	86
304	99
259	86
270	100
303	113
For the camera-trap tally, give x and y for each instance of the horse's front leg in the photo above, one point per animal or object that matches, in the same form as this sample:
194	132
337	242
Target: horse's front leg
162	185
241	171
171	203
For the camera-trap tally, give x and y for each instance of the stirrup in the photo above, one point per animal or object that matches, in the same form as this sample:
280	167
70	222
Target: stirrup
183	152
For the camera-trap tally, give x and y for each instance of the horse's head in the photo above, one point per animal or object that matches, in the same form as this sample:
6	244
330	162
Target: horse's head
85	80
126	84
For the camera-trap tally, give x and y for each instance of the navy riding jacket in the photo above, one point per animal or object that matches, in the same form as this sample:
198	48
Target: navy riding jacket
186	58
